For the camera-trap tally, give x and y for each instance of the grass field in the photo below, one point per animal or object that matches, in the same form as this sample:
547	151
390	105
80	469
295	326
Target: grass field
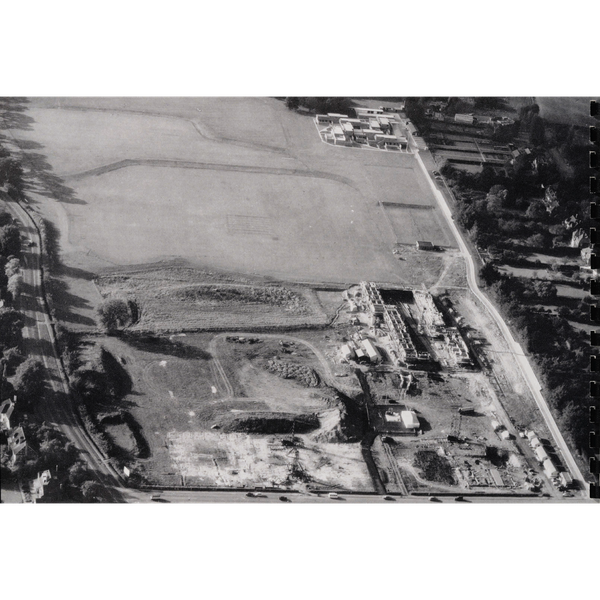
235	183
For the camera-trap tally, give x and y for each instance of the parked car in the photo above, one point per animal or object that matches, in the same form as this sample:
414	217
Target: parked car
284	499
434	499
250	494
391	498
459	499
333	495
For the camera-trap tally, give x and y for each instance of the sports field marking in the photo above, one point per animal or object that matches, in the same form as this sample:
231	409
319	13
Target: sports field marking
249	225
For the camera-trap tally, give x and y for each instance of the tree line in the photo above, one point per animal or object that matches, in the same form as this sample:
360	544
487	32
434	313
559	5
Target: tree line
535	204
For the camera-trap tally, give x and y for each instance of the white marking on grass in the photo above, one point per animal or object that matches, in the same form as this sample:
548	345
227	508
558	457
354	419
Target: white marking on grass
192	413
171	394
213	389
163	363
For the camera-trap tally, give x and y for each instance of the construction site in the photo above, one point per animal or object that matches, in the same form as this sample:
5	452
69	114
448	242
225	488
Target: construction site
403	327
436	418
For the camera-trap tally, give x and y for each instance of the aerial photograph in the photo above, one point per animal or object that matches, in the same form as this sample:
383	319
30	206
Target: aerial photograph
326	300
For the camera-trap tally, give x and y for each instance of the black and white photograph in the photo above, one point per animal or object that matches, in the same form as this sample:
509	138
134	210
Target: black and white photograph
295	299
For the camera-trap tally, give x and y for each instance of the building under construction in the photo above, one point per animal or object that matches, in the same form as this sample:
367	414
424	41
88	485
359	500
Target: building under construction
402	346
431	320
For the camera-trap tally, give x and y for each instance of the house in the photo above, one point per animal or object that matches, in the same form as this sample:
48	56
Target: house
6	410
462	118
586	254
566	479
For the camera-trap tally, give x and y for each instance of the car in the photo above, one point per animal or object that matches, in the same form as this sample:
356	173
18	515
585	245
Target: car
333	495
434	499
284	499
250	494
390	498
259	495
459	499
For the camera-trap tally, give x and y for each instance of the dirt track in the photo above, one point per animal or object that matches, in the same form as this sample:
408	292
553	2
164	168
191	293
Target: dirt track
327	376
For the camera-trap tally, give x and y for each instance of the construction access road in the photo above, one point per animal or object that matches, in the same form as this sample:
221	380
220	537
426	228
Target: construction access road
40	342
428	165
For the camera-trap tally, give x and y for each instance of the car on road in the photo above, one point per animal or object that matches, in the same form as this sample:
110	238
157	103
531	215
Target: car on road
459	499
434	499
390	498
250	494
284	499
333	495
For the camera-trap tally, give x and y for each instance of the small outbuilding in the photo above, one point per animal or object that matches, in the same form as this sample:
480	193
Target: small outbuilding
423	245
410	419
549	468
541	454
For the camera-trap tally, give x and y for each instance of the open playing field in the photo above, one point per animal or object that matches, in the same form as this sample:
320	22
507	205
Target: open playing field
240	184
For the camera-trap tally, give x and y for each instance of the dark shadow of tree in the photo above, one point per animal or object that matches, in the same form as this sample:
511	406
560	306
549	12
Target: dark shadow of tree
64	302
12	111
44	182
41	179
162	345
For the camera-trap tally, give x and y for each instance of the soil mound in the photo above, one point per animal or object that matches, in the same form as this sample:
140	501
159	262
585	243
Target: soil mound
270	423
302	374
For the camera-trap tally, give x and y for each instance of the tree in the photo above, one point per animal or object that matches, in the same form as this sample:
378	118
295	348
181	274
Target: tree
489	274
29	381
11	172
536	210
12	267
10	240
114	314
78	473
91	491
292	103
496	198
545	291
537	133
12	358
11	324
15	285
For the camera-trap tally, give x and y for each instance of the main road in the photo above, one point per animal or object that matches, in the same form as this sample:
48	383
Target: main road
38	334
423	157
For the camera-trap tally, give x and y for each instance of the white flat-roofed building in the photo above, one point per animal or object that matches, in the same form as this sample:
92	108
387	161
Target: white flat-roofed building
541	454
371	351
367	112
549	468
410	419
387	140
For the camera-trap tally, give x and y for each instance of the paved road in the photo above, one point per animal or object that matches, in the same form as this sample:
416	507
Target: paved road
39	342
182	497
424	157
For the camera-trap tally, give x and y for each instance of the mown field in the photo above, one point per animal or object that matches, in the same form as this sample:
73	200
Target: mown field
240	184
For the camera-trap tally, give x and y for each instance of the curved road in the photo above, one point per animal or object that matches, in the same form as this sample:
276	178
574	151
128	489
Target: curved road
39	341
515	348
